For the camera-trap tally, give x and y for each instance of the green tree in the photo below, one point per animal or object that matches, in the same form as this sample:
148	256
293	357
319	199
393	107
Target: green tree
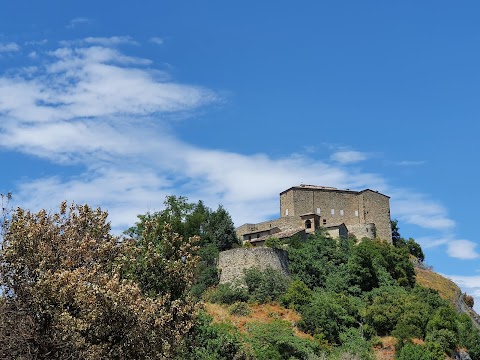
329	314
361	267
385	308
221	230
277	341
314	260
297	295
265	285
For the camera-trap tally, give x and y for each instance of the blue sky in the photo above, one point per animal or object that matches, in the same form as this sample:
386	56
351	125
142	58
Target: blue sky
119	104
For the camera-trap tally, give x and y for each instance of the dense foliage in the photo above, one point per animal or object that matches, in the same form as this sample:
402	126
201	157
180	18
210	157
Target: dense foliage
66	296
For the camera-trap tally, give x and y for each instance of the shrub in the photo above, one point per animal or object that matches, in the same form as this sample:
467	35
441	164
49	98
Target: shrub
298	294
274	242
267	285
468	300
239	309
328	314
209	341
412	352
227	294
354	343
446	338
276	340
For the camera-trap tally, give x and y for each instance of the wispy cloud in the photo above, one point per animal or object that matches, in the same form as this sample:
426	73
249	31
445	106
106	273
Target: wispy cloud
348	157
156	40
463	249
418	209
36	42
89	104
78	21
110	41
9	47
410	162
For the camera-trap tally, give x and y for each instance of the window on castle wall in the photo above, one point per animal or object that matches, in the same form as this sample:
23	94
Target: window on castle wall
286	212
318	211
341	212
356	212
324	221
308	224
332	211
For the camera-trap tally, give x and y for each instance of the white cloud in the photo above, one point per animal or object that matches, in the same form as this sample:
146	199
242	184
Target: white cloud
348	157
410	162
36	42
156	40
462	249
9	47
94	106
110	41
78	21
418	209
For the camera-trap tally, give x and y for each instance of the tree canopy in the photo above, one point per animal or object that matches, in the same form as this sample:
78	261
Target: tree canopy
66	294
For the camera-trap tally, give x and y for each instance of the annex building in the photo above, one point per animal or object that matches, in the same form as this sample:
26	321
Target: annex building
306	208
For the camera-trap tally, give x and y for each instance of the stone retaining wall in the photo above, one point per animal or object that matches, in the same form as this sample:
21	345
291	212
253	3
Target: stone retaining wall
232	263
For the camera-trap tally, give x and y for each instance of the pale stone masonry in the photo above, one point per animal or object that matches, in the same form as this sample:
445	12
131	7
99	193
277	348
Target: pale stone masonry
233	263
363	213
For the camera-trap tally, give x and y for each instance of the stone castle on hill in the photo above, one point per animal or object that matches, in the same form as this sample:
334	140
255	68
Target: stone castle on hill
306	208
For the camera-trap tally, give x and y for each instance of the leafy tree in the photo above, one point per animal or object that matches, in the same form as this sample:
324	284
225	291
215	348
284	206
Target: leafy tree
395	231
214	228
446	338
430	351
443	318
64	296
265	285
277	341
329	314
354	343
314	260
361	267
413	247
297	295
221	230
385	309
210	341
274	243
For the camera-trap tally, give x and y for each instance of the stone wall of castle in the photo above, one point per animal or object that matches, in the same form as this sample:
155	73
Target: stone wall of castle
232	263
376	209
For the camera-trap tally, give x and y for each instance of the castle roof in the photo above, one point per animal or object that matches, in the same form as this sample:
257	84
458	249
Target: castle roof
329	188
279	235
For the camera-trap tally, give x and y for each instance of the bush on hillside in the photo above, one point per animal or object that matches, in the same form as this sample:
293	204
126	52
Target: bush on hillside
226	294
239	309
277	341
265	285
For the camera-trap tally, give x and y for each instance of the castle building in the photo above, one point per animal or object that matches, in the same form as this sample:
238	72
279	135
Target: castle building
306	208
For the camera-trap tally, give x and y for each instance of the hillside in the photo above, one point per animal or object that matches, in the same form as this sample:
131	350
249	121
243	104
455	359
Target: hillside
447	290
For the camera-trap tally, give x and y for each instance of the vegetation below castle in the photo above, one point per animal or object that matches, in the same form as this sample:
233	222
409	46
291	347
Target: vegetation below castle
72	290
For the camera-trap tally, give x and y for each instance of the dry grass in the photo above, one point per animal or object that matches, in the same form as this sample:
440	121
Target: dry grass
386	351
446	288
264	313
